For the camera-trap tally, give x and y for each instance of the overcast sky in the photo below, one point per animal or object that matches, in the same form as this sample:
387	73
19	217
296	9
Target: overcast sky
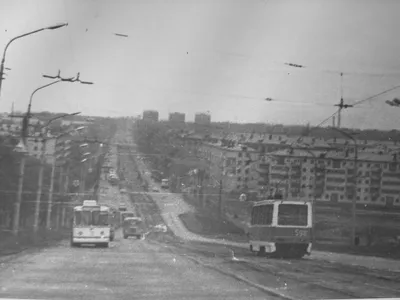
222	56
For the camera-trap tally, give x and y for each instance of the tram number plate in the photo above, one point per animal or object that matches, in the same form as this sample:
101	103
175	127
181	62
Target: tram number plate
300	233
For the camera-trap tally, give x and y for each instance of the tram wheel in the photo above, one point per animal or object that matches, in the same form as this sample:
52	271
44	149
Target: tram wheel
261	252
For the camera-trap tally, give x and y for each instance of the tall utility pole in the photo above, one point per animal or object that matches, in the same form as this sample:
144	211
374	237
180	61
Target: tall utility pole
50	199
60	210
17	204
354	205
222	169
39	189
341	104
220	197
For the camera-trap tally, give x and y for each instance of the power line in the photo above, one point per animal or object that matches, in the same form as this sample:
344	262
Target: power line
376	95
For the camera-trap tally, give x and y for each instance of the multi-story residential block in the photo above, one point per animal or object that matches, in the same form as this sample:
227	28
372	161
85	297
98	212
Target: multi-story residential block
150	115
234	164
202	118
377	181
176	117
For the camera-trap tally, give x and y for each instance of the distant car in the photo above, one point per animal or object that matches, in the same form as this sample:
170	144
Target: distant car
123	207
155	189
133	226
160	228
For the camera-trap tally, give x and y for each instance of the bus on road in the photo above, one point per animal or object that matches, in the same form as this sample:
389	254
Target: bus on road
91	224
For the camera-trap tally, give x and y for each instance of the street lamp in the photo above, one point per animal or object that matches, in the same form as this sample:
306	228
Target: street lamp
57	26
353	229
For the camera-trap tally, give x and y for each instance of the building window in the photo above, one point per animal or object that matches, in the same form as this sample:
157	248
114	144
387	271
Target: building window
326	196
240	154
35	148
304	170
360	165
304	177
239	178
368	165
365	190
358	198
358	190
365	198
341	197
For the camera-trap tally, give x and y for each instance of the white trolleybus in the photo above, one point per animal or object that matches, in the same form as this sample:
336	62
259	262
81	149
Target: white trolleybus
281	228
91	224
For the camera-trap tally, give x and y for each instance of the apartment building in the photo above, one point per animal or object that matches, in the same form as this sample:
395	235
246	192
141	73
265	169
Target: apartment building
234	164
202	118
377	181
150	115
176	117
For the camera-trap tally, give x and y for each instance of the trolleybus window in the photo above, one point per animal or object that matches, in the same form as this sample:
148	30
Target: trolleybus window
292	215
100	218
82	218
262	215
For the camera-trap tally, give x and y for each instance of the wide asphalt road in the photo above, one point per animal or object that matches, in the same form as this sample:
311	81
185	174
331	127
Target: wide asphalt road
129	269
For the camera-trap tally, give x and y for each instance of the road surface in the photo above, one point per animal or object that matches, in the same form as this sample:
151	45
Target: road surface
129	269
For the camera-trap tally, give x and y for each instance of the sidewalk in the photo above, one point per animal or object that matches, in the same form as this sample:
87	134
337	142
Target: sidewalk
10	244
